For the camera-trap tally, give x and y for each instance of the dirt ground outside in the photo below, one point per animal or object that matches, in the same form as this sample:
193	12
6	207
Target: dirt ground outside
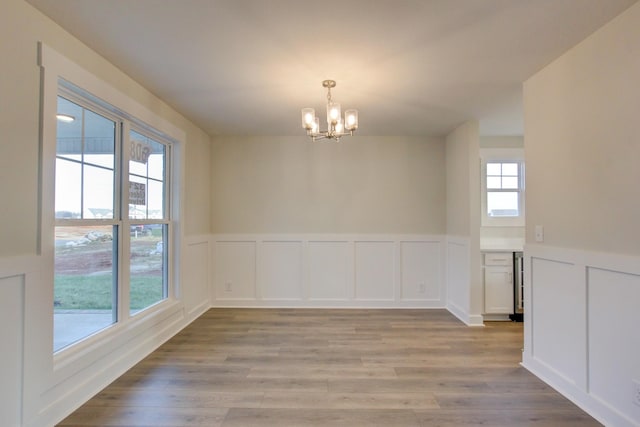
76	254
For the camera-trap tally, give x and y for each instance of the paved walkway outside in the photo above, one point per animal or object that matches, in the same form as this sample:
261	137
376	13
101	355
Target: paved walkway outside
70	326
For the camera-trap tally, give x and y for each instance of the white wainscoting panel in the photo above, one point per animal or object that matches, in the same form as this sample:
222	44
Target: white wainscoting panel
375	271
11	356
330	275
23	339
559	319
421	266
458	278
581	328
328	271
611	373
280	270
195	276
235	270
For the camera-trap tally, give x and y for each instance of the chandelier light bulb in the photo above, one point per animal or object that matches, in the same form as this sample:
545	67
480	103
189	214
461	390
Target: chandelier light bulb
308	118
333	113
351	120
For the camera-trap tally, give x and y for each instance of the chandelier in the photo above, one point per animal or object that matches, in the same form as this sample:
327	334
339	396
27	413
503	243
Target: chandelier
336	127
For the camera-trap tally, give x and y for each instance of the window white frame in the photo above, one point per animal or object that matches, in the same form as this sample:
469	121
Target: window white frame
502	155
55	67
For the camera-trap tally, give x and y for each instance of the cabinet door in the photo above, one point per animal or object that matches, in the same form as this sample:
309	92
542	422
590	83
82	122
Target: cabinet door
498	289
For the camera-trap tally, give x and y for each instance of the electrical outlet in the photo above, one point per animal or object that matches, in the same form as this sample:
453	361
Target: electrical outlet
422	287
539	231
636	392
227	286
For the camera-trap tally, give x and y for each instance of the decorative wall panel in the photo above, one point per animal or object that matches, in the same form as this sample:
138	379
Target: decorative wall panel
328	271
581	328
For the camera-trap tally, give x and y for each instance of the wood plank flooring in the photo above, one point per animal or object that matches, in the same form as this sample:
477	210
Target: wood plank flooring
308	367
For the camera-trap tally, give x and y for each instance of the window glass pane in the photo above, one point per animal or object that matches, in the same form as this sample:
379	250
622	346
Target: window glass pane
147	157
148	283
81	188
502	204
510	182
156	161
510	169
99	139
84	282
69	133
137	197
104	160
494	182
140	149
137	168
98	192
494	169
155	191
68	189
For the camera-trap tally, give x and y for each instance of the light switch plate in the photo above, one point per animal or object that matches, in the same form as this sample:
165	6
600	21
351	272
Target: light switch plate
539	233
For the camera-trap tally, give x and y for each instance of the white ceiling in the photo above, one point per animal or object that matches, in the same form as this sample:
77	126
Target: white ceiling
411	67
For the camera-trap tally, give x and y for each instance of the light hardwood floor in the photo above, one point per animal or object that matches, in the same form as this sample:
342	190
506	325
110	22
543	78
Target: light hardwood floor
304	367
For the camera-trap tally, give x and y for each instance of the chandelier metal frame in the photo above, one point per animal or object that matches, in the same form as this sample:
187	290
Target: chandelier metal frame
336	127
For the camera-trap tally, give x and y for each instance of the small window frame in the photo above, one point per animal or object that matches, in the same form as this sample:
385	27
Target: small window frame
502	155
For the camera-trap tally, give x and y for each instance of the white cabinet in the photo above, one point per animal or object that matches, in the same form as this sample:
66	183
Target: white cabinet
498	282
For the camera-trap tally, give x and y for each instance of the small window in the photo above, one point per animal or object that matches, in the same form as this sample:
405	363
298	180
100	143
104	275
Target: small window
503	192
503	188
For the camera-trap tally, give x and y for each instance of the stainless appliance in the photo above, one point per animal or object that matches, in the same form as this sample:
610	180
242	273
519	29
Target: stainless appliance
518	288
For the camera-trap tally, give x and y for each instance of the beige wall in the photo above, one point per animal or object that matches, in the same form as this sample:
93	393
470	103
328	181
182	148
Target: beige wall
197	188
515	141
21	27
463	210
359	185
582	143
463	171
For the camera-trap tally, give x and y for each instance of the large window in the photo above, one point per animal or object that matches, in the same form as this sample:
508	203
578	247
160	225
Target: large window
502	191
112	222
